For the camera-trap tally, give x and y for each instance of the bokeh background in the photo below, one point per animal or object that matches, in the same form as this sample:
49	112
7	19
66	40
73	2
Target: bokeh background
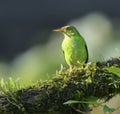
30	51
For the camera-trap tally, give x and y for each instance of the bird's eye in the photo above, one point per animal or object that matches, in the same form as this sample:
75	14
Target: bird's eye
68	28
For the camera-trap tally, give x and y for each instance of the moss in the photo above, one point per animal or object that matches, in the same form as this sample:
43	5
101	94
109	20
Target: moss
91	79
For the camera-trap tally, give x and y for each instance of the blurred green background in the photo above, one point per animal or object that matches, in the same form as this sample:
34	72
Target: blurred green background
30	51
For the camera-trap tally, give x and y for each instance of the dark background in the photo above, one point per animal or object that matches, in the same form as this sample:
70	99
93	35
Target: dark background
20	20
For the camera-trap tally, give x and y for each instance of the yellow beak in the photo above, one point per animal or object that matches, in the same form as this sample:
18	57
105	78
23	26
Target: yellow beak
58	30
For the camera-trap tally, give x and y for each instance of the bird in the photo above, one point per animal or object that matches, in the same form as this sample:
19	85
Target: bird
74	46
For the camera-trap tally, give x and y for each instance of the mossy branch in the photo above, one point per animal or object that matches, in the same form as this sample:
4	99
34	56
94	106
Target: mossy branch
92	79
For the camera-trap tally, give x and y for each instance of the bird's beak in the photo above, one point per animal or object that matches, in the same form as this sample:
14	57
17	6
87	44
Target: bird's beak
58	30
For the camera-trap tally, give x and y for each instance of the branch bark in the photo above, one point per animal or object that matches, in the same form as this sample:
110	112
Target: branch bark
76	84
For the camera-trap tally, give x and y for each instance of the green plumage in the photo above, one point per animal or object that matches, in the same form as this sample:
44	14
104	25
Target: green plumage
74	46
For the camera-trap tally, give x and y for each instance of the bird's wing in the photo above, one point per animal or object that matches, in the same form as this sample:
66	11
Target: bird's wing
87	54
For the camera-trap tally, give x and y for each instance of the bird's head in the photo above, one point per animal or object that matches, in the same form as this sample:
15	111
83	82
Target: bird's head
68	30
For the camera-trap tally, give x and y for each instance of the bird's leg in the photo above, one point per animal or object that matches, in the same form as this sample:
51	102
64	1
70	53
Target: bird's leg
71	67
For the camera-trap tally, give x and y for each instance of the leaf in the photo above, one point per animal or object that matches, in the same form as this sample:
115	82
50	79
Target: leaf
92	98
114	70
107	109
84	102
71	102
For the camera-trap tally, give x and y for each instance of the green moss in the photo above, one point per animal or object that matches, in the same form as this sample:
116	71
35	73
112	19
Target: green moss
79	84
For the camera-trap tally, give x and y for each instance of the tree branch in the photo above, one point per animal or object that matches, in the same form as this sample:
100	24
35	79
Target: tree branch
77	84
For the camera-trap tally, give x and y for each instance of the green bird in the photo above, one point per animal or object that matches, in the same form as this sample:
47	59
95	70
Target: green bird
74	46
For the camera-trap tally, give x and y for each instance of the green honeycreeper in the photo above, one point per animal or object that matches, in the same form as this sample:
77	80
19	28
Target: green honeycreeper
74	46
